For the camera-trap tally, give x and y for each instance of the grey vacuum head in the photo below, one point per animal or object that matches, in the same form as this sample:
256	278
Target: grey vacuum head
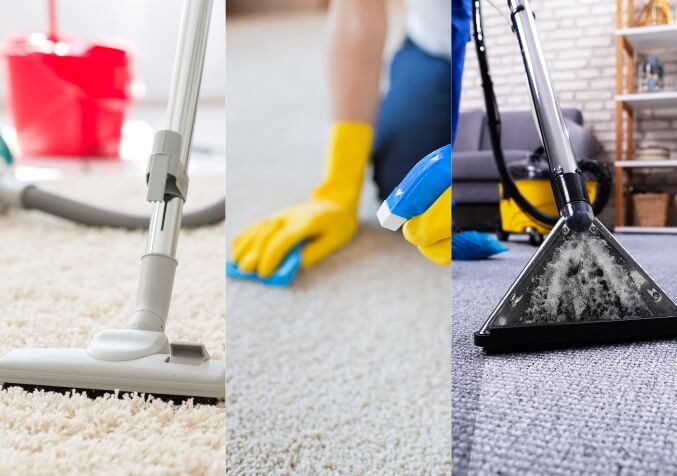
579	288
114	363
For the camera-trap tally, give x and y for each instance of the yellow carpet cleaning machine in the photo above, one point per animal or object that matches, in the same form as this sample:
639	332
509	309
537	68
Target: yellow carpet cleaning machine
532	179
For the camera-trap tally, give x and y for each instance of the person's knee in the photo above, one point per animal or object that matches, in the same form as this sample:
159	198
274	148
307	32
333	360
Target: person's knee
404	145
415	114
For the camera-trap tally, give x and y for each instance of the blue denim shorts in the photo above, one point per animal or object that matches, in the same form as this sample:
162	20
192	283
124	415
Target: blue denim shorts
414	116
419	113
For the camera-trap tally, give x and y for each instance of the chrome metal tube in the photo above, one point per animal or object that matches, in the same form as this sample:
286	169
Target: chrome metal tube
187	76
567	181
550	121
159	263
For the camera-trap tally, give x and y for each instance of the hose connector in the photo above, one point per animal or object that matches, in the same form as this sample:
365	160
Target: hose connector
572	200
166	175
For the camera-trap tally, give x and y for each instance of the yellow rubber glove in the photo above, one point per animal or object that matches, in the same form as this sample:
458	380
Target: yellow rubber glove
327	221
430	232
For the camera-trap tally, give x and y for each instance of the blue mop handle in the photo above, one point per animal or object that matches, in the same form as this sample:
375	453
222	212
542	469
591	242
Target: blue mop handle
424	183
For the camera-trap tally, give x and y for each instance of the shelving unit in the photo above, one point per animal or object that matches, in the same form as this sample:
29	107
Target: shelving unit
665	99
648	37
638	164
653	230
630	41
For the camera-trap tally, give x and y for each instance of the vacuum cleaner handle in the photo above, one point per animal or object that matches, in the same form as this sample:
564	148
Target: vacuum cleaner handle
568	183
167	176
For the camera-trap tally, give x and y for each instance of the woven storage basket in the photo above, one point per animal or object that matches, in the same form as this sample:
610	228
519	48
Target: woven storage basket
651	209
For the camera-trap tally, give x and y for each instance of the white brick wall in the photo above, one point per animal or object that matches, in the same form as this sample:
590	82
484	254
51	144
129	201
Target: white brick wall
578	43
579	46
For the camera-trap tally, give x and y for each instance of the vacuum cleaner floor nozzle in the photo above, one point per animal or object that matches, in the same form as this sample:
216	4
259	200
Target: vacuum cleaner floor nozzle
579	289
65	370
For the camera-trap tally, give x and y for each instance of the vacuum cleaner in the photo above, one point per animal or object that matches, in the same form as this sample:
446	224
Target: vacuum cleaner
140	358
581	287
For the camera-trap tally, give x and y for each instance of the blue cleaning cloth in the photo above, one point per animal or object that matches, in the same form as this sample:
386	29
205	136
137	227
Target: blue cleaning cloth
283	275
473	245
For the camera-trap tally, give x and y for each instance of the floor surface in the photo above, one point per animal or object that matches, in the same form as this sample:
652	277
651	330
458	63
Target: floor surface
591	411
61	283
347	371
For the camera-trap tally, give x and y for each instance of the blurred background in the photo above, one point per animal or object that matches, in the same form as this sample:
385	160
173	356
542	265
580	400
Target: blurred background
147	31
152	30
258	6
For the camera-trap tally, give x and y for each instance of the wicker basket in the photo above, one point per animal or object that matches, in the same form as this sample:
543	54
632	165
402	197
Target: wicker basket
651	209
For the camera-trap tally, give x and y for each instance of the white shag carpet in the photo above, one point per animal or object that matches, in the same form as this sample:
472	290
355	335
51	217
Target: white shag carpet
60	284
346	372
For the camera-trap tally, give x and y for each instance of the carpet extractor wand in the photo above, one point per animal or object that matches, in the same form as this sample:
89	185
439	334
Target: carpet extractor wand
140	358
581	287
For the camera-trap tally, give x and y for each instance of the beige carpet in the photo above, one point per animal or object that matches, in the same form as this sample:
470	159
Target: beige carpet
347	372
60	284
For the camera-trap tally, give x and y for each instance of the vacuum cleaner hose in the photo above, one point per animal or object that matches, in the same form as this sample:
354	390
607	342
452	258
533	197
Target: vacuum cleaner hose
603	181
599	171
33	198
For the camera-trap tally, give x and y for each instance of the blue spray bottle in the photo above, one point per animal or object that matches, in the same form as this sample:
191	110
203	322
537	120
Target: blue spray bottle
419	189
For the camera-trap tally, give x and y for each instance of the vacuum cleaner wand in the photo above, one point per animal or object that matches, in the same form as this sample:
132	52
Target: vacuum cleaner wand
568	184
140	358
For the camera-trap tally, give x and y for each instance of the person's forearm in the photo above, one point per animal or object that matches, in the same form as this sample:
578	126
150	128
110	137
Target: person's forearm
357	31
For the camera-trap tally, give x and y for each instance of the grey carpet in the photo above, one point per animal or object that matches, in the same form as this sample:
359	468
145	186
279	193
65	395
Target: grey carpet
603	410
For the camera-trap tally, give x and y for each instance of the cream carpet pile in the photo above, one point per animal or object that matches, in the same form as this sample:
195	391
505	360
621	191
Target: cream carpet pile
60	284
346	372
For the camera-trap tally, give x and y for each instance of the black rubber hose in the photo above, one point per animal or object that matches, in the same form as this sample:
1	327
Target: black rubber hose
33	198
510	190
603	182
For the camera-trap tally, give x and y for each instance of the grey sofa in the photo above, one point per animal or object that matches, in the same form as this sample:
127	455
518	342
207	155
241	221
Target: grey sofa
475	177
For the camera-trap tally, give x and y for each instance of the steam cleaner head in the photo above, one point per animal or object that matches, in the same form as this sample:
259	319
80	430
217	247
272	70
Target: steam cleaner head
579	289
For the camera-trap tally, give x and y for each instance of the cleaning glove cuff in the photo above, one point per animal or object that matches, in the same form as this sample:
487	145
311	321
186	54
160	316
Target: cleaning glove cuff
349	149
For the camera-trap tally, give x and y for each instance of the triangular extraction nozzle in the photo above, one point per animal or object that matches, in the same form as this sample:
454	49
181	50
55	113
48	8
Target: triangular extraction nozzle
579	289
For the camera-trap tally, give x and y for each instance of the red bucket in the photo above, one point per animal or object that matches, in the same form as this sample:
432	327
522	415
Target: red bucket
67	98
